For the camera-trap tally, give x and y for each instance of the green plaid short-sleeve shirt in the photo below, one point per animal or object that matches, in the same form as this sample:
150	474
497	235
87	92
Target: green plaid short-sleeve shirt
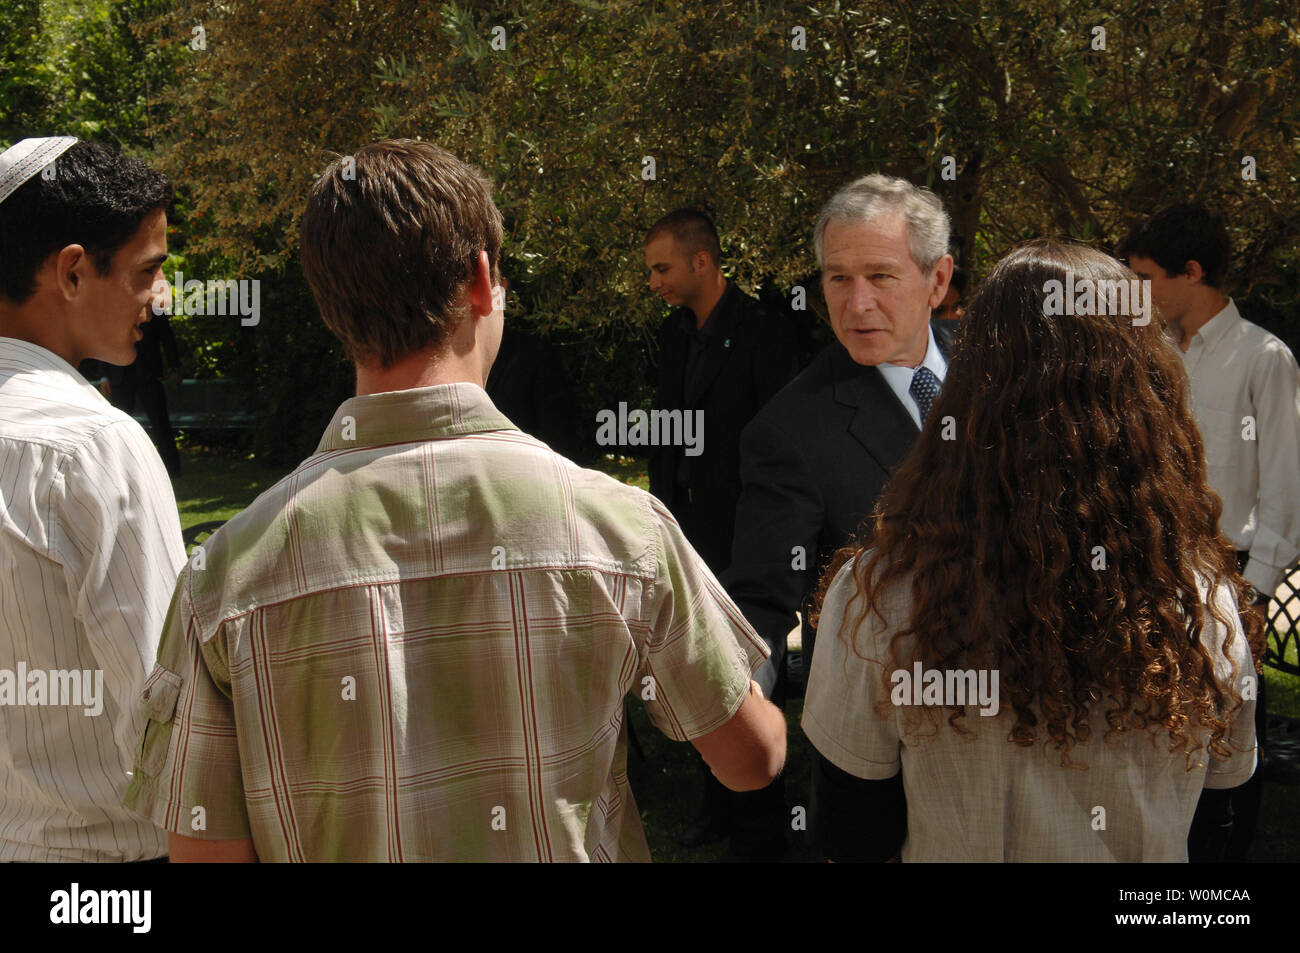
418	645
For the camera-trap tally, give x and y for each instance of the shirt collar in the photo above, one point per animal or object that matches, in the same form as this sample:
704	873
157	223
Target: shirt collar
28	357
1213	330
406	416
688	316
933	360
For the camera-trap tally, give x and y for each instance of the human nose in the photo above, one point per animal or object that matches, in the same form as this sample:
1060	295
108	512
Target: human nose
861	296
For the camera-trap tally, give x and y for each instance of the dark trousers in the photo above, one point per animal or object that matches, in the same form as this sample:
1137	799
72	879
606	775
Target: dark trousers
1224	826
150	392
757	820
1246	799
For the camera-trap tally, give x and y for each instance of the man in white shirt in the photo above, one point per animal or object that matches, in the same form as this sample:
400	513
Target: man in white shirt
1246	389
90	541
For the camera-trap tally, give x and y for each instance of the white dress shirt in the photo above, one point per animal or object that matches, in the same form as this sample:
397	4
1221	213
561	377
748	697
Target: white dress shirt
1238	371
899	377
90	547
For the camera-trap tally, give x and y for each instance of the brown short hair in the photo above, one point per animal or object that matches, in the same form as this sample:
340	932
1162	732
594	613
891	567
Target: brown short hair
388	238
692	230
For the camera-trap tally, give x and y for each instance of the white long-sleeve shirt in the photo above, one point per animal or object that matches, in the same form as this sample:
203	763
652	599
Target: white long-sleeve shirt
90	548
1246	400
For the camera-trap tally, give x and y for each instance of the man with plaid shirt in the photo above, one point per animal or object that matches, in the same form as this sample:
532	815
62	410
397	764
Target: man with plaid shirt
417	646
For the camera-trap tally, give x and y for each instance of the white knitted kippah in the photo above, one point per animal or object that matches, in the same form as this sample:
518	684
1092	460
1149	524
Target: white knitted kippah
20	162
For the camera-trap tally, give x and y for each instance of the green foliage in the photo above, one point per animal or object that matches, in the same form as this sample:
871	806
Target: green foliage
302	376
77	67
754	110
24	88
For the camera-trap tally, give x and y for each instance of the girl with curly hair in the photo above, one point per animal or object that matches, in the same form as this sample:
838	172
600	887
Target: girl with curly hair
1051	545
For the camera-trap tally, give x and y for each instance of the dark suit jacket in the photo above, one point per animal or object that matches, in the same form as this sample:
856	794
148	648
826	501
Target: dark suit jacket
813	464
752	353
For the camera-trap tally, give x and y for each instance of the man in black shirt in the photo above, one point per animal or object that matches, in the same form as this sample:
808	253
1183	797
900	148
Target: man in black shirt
722	356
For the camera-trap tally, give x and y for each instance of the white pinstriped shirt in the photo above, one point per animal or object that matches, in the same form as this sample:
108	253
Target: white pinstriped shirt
90	546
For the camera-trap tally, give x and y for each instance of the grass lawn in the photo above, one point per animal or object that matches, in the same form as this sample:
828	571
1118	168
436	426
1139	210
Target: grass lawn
216	486
667	783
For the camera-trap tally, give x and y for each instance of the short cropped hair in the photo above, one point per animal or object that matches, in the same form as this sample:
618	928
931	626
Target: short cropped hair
693	232
877	196
389	238
1181	233
96	198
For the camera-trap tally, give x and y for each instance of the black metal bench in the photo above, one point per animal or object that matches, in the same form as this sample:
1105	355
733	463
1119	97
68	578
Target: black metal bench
1282	652
197	533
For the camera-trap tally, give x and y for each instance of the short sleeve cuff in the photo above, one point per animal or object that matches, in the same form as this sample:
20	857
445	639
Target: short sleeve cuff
844	759
142	799
1232	773
1262	576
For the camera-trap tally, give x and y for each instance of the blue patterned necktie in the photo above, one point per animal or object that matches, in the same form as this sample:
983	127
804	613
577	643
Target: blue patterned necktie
924	389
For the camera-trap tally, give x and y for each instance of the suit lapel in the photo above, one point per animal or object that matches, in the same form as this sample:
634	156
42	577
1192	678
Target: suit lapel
881	424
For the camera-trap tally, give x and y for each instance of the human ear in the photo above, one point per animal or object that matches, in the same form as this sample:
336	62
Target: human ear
942	275
69	264
480	287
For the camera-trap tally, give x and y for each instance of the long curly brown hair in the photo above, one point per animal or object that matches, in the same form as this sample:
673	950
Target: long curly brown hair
1071	432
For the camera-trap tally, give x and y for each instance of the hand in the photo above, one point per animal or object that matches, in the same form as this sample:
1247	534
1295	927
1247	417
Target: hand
1255	597
1258	608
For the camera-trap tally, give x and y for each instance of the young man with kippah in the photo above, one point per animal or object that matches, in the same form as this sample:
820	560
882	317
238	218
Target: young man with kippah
90	542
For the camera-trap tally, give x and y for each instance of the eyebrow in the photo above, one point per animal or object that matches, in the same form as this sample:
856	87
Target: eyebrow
867	266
